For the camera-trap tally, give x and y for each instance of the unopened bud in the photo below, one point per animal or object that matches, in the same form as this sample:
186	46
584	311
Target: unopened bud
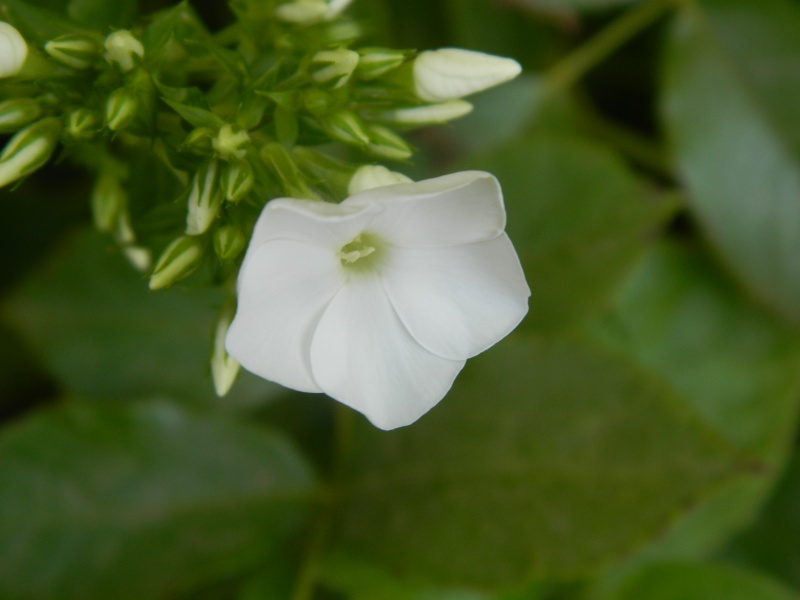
317	101
375	62
428	114
179	260
28	150
82	124
224	368
137	256
199	141
228	242
368	177
302	12
108	201
386	143
333	67
74	50
228	144
236	180
205	199
123	49
345	127
13	50
17	113
451	73
121	109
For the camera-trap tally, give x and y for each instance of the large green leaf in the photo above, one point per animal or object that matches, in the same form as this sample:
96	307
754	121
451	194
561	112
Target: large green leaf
550	458
139	501
730	105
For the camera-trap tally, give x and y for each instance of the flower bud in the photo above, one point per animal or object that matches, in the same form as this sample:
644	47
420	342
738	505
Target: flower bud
199	141
123	49
121	109
228	145
333	67
108	201
317	101
428	114
386	143
451	73
29	150
345	127
17	113
82	124
374	62
205	199
179	260
224	368
74	50
236	180
138	256
302	12
228	242
13	50
368	177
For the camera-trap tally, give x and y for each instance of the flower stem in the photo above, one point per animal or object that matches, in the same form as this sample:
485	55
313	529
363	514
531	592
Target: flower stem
569	70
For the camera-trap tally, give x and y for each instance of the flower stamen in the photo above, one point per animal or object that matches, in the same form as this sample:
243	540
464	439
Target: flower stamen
353	253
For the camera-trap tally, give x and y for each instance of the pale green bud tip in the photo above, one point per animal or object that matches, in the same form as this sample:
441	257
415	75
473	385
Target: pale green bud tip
82	124
333	66
180	259
123	49
108	202
17	113
347	128
430	114
368	177
74	50
228	242
224	368
228	144
199	140
451	73
237	180
205	198
121	109
13	50
306	12
374	62
386	143
28	150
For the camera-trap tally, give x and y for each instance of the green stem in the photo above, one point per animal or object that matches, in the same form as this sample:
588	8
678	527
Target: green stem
569	70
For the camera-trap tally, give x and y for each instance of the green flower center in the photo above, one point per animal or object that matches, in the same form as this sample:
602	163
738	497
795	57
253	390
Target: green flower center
362	253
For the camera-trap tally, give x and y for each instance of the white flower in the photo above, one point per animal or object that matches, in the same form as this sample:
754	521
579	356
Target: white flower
13	50
452	73
378	301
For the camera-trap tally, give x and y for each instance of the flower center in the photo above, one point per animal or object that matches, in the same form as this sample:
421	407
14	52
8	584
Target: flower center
361	253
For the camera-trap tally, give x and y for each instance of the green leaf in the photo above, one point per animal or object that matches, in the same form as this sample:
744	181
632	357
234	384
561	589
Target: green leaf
551	457
578	218
139	501
196	117
730	107
685	581
35	23
97	327
103	14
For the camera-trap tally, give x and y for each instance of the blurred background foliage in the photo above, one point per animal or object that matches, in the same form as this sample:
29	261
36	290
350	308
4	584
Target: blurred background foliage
634	439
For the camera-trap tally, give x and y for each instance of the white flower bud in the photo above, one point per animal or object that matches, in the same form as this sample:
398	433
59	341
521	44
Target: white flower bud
108	201
28	150
179	260
333	67
13	50
205	199
73	50
224	368
429	114
228	144
138	256
368	177
121	109
17	113
451	73
306	12
386	143
123	49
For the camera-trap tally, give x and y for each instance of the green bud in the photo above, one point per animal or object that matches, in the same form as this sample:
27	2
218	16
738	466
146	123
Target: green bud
123	49
374	62
224	369
345	127
179	260
236	180
74	50
82	124
17	113
205	199
108	202
333	67
228	144
386	143
121	109
317	101
29	150
229	242
302	12
199	141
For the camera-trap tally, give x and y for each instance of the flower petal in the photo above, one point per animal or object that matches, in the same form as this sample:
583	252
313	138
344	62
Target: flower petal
460	300
454	209
363	356
284	287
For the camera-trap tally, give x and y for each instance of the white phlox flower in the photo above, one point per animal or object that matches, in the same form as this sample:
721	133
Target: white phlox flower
378	301
13	50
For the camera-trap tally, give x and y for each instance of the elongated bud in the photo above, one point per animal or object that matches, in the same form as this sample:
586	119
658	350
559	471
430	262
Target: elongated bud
137	256
317	101
205	199
333	67
179	260
236	180
82	124
17	113
368	177
108	202
121	109
374	62
228	242
451	73
74	50
302	12
123	49
13	50
428	114
224	368
386	143
345	127
28	150
228	143
199	141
